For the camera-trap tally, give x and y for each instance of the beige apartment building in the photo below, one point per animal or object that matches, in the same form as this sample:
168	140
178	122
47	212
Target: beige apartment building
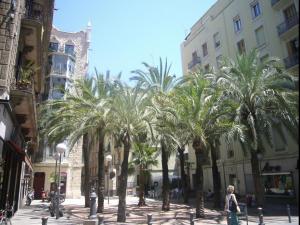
67	61
230	27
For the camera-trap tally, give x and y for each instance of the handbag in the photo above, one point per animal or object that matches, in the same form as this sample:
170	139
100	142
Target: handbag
232	205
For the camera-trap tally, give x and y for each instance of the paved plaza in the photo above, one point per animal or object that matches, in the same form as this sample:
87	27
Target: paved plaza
75	213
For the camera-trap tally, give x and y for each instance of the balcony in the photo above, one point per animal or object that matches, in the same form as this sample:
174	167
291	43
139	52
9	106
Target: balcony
24	105
291	61
61	51
33	11
194	62
279	4
288	27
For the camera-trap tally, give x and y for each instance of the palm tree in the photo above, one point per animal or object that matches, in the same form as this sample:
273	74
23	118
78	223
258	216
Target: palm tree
83	111
143	157
128	120
263	92
159	81
164	106
200	110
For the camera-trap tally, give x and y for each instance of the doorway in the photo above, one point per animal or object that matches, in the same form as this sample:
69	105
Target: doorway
38	184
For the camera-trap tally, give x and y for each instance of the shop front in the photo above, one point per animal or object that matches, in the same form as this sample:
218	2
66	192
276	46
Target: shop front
12	159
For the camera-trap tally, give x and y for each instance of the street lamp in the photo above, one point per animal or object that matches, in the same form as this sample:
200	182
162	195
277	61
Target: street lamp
60	148
259	157
108	158
56	157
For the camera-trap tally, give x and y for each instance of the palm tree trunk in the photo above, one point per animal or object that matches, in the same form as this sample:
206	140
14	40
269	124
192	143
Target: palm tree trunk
199	185
123	184
258	188
142	188
185	187
216	175
101	173
86	184
166	183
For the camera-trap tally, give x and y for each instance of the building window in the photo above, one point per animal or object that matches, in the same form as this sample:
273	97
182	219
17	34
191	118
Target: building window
204	49
278	137
290	12
241	47
230	152
260	36
69	49
293	47
255	10
206	68
217	40
237	24
219	61
53	47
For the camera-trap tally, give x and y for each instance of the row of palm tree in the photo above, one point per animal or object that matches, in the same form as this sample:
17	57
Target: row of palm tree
241	102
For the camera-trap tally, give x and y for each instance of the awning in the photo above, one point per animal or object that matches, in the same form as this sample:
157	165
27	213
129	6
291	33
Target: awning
276	173
20	152
16	148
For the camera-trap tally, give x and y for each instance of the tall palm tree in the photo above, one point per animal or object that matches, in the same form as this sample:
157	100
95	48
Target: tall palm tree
128	120
84	110
265	93
143	156
201	110
158	81
164	106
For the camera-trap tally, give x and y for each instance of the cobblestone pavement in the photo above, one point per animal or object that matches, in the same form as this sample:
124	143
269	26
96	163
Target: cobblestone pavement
75	213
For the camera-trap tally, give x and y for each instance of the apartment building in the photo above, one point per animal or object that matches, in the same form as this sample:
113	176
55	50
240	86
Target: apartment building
230	27
24	38
67	61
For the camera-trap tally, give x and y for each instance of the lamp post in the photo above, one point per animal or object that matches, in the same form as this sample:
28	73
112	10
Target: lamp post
60	148
108	158
56	157
259	157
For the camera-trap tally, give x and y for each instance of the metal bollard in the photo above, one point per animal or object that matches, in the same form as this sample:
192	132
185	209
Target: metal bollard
149	219
289	212
100	220
246	213
93	210
44	220
191	218
260	216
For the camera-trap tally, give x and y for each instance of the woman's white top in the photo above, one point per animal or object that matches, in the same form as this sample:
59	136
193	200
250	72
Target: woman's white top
227	198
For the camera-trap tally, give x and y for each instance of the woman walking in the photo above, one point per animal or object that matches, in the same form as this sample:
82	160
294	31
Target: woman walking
231	206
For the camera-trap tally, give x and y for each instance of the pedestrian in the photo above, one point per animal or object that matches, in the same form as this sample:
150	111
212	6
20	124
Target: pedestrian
231	207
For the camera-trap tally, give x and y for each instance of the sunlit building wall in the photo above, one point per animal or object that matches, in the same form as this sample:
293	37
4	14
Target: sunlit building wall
231	27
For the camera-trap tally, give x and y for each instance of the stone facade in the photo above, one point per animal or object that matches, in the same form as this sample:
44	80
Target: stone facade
10	17
68	53
25	27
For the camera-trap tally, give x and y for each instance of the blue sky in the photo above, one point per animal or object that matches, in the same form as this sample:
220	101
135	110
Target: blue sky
126	33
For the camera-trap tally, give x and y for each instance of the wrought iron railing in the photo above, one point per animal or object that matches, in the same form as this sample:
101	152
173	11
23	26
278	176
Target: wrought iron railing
287	24
33	11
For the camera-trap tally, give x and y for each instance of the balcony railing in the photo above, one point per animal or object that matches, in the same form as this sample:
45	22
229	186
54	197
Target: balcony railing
273	2
287	24
291	61
195	61
34	11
